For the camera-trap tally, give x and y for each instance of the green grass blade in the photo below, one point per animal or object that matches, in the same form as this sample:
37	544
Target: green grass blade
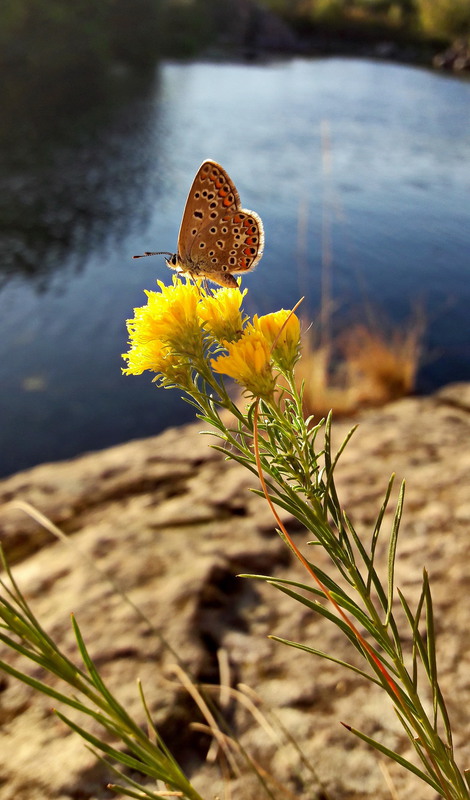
377	527
395	757
392	551
100	685
431	645
41	687
149	767
127	792
324	612
140	791
327	656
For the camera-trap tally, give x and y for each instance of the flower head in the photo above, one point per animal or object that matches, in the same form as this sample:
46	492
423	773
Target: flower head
170	315
282	330
172	370
249	363
220	314
166	331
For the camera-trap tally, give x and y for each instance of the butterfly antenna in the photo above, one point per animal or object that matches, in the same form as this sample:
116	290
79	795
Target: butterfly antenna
159	253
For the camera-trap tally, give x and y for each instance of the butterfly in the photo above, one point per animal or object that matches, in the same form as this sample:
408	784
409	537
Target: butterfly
217	238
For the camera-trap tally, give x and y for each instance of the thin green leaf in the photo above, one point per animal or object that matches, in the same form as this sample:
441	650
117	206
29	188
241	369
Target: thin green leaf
419	645
413	739
39	686
294	506
377	527
395	757
331	464
370	626
235	457
331	500
324	612
438	699
343	600
127	792
141	791
357	541
375	580
329	583
431	645
154	770
327	656
161	744
99	683
340	597
392	550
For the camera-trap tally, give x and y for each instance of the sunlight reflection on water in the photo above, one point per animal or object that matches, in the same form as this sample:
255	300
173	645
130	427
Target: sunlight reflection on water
392	178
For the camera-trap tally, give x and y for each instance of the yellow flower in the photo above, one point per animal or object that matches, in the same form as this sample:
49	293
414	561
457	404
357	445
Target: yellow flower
249	363
220	314
157	357
173	318
282	330
169	318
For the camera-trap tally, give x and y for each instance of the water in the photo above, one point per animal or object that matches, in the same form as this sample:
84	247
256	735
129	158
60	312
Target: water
378	153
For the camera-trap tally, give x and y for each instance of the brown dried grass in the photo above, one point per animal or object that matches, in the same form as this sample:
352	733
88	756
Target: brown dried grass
364	367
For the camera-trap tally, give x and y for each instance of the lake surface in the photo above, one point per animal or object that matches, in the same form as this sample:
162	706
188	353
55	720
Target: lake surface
377	155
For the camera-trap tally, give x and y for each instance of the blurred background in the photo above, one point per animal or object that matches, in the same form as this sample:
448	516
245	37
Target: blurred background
333	121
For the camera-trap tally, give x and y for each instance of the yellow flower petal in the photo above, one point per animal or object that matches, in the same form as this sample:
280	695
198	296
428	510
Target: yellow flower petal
249	363
282	330
220	314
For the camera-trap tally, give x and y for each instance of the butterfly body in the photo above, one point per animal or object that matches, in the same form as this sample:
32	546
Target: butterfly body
217	238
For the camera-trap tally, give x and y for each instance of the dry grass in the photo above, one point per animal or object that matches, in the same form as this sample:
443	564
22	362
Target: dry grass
365	367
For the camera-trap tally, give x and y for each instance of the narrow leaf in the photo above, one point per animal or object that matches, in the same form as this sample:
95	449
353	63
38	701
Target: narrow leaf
395	757
431	645
141	791
419	645
392	550
322	654
153	770
377	527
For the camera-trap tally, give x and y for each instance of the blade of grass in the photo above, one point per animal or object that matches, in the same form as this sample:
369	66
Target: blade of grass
395	757
392	550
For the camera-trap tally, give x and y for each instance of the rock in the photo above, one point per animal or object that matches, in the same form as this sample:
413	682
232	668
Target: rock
169	522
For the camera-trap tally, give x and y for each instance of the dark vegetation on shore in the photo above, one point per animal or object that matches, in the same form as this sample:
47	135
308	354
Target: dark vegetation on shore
69	56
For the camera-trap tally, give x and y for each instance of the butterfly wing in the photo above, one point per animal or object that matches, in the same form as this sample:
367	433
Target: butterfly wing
217	236
211	194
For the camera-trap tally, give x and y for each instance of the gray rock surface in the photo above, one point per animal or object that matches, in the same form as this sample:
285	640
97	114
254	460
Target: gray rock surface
171	524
